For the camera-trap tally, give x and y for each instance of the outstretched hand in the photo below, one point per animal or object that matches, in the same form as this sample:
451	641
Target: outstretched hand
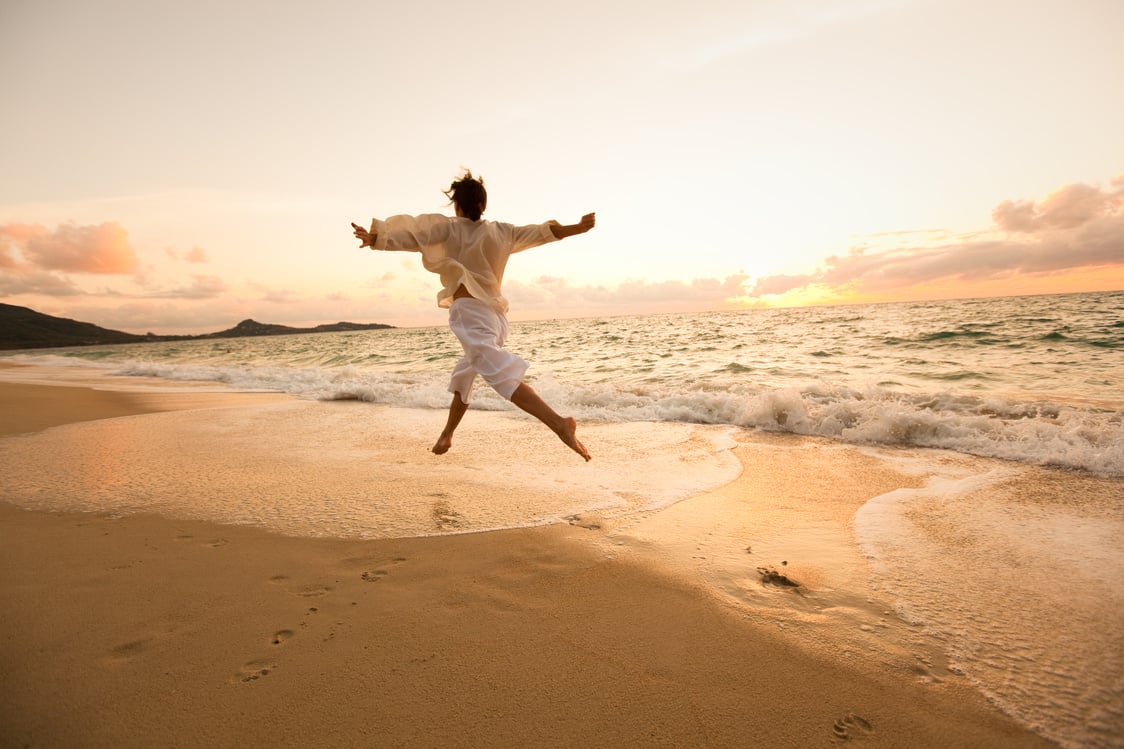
366	237
561	231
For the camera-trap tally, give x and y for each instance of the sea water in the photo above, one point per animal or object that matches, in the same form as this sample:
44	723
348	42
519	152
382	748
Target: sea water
1030	379
1011	560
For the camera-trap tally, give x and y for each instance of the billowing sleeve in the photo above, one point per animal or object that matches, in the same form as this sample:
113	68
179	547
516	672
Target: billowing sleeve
526	237
427	232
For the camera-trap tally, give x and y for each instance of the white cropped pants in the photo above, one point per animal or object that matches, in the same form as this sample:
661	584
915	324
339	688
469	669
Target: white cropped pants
482	331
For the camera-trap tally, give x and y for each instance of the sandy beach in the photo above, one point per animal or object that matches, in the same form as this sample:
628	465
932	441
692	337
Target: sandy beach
155	630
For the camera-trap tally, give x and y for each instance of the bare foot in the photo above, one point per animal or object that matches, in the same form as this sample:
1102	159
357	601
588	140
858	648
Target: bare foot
443	445
569	434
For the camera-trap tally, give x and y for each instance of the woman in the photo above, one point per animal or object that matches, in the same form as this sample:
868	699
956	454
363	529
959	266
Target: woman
470	254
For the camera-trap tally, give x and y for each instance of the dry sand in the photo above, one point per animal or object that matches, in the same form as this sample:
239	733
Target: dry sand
150	631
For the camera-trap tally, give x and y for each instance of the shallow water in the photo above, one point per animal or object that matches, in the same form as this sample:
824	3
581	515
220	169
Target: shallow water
354	470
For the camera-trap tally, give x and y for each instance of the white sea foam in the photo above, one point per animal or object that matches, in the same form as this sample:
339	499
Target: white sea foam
1016	572
1042	433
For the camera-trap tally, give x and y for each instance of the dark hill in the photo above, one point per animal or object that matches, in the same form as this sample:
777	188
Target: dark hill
21	327
255	328
24	328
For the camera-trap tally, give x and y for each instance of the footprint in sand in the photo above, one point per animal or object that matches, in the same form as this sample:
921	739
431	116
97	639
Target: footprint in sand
373	576
213	542
280	636
592	523
445	517
255	670
852	727
308	591
130	649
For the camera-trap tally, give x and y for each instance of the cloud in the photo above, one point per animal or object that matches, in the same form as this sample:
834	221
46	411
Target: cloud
103	248
281	296
201	287
194	255
275	296
34	259
36	282
1068	208
781	283
159	316
554	293
1077	227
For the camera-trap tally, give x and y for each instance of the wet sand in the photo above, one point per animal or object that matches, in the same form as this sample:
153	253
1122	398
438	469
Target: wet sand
146	630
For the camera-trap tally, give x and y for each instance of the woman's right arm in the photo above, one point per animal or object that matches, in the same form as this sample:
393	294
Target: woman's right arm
404	233
364	236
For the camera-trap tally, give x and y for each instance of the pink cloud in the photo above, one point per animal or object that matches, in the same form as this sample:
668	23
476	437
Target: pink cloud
194	255
1076	228
103	248
32	281
202	287
35	260
553	293
1068	208
275	296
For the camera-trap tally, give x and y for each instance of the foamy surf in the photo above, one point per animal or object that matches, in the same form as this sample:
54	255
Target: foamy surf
1038	432
1015	572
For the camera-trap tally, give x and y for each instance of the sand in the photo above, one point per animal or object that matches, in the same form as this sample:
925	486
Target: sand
154	631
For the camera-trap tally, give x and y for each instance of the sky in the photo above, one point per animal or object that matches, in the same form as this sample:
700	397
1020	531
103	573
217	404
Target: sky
177	167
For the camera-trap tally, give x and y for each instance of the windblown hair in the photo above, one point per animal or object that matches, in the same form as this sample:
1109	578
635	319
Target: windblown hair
469	195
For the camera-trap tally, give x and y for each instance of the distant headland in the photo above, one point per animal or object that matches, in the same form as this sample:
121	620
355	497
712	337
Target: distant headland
22	327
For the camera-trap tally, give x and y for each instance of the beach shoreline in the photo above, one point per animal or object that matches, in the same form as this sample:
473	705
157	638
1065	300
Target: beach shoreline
142	629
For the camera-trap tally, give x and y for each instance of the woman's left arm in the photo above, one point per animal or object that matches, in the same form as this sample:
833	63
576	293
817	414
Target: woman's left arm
561	231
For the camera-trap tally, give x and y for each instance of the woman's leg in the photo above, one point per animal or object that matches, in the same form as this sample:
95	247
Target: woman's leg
481	332
456	413
564	426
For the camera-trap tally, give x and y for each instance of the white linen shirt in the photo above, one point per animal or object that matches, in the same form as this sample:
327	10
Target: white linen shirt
461	251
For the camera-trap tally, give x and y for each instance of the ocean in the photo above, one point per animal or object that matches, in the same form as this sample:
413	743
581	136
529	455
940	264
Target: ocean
1006	554
1030	379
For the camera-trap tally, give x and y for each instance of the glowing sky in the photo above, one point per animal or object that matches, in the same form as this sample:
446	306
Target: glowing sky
180	166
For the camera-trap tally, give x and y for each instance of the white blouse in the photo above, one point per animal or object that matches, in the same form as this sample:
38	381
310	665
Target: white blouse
460	250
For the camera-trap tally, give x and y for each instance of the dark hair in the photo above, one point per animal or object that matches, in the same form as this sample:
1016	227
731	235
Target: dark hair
469	195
